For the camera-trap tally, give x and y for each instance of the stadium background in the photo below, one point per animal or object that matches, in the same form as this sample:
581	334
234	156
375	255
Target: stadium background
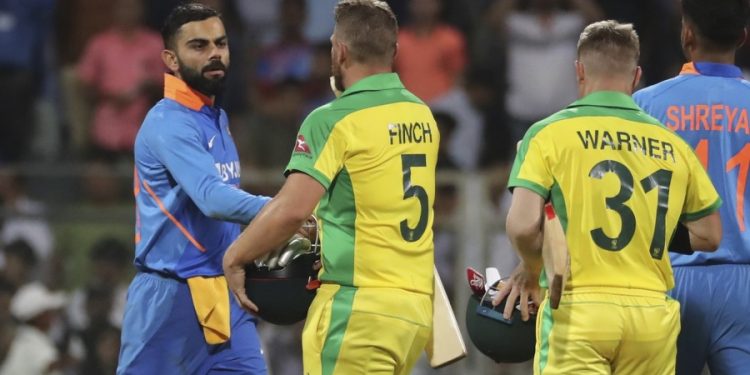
74	90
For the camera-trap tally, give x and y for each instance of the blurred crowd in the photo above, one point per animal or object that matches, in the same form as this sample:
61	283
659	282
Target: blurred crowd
78	76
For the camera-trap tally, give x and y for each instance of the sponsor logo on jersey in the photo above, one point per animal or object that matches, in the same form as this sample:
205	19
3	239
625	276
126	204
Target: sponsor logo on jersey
227	171
301	145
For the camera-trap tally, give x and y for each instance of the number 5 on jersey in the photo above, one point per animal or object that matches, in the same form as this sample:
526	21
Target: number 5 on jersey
409	161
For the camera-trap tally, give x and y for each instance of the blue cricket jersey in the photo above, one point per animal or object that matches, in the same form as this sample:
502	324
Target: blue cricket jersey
186	179
708	105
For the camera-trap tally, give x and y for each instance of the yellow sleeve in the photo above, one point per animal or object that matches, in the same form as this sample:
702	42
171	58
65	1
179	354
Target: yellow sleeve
531	169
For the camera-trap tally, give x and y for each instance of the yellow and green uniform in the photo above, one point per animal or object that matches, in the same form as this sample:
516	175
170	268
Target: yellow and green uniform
619	182
374	149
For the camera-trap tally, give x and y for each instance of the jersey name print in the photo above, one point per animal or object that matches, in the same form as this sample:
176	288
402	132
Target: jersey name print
620	182
374	149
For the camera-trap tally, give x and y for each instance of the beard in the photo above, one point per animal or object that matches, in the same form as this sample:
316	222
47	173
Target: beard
198	82
338	79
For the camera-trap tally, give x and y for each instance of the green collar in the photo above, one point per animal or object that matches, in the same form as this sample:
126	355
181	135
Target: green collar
376	82
611	99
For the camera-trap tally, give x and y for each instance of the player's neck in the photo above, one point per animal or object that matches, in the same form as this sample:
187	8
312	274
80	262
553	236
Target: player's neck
617	85
358	72
701	55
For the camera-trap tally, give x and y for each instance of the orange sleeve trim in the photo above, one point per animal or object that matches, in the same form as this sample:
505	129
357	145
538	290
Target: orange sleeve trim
173	219
689	68
136	191
177	90
136	182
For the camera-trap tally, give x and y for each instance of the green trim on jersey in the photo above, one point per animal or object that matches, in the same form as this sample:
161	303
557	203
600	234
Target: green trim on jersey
380	92
358	147
340	242
620	182
702	213
545	332
597	104
327	116
558	203
341	311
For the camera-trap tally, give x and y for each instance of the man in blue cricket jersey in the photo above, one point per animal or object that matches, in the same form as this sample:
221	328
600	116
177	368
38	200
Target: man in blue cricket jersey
179	318
708	105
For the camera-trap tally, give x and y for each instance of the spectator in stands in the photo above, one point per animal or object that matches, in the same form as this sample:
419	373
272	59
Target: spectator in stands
291	56
272	129
7	324
431	60
32	351
109	264
431	55
24	26
318	85
447	126
541	37
20	262
122	70
25	218
102	350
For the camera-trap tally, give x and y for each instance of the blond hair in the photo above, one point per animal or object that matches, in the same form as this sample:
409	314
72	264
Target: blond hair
369	29
609	48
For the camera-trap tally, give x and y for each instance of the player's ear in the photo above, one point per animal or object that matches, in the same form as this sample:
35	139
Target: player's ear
687	38
744	38
343	56
580	72
169	58
636	78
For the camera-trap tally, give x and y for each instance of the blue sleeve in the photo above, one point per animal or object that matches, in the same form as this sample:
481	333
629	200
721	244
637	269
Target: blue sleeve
178	145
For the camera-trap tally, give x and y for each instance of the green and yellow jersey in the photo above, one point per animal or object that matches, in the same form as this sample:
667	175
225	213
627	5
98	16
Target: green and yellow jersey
374	149
620	182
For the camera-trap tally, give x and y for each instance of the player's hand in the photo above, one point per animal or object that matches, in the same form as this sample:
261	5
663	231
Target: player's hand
523	283
235	276
309	229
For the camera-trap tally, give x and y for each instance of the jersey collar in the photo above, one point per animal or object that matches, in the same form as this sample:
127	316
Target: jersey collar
375	82
712	69
177	90
611	99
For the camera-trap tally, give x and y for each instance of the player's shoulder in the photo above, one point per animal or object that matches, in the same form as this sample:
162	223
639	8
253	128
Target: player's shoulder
661	89
541	127
325	114
166	118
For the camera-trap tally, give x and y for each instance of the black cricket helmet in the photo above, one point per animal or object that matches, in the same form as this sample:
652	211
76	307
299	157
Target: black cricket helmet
283	294
507	341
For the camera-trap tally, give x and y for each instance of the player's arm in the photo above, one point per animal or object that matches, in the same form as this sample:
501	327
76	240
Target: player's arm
524	226
524	229
181	150
701	210
274	225
703	234
530	180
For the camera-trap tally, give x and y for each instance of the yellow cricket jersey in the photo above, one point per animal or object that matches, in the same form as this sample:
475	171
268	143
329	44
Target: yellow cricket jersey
620	182
374	149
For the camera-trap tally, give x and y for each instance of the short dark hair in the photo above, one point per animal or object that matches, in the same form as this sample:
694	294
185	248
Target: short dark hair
609	47
181	15
369	28
720	22
21	249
